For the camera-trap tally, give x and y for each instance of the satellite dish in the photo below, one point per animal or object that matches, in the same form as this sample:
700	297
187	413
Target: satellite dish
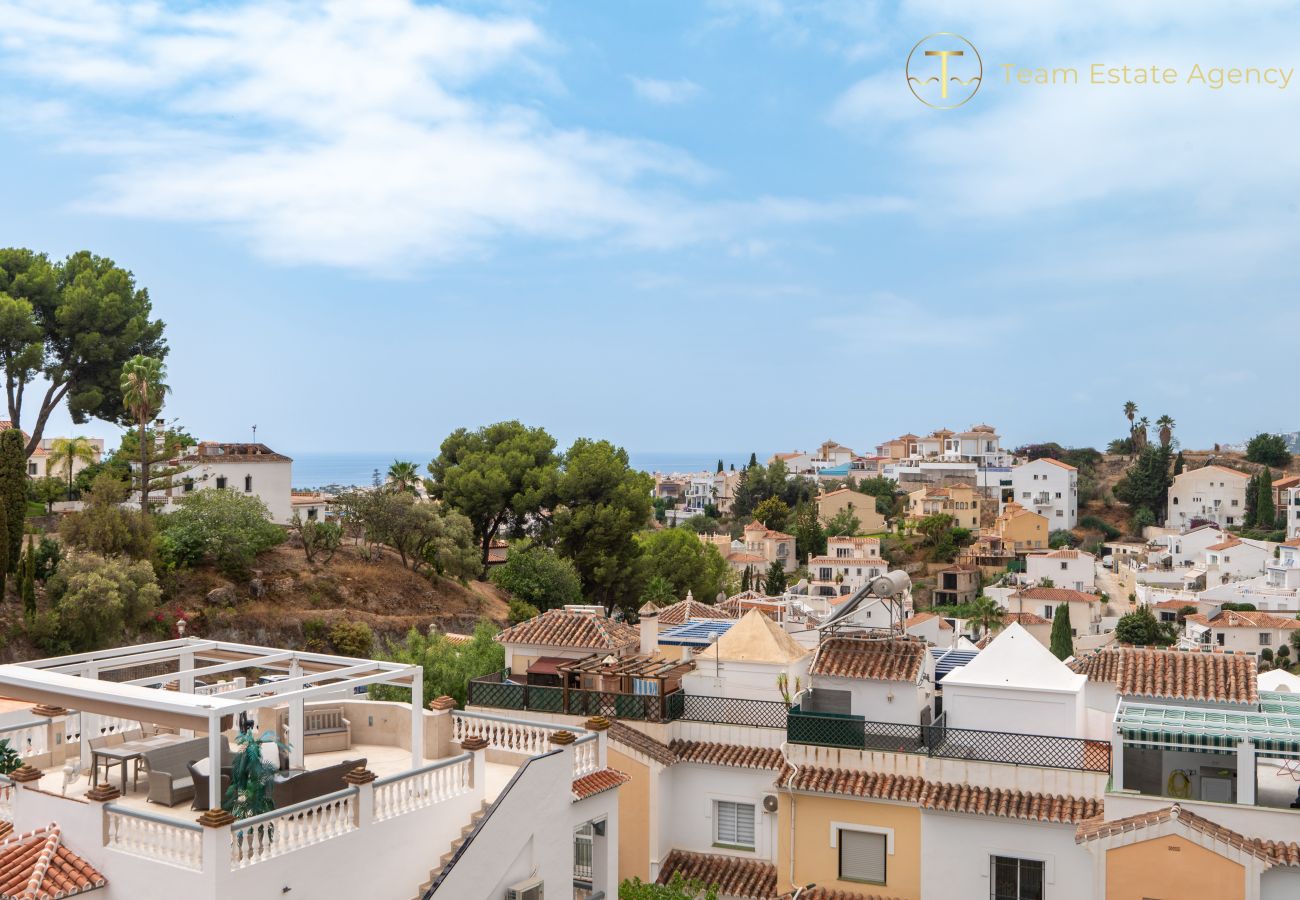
722	596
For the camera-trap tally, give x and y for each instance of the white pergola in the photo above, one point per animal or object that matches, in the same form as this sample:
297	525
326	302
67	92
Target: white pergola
74	682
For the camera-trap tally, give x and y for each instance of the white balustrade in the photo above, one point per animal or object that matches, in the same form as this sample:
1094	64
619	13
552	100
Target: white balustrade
221	687
273	834
28	739
154	838
401	794
586	755
532	738
6	800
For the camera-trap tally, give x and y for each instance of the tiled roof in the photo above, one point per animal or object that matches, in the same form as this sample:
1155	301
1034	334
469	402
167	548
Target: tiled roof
1221	469
845	561
1273	852
888	660
1224	545
563	628
739	557
922	617
748	879
216	451
641	743
1231	618
1056	462
734	755
36	866
1024	618
598	782
1174	674
1058	595
943	796
1064	553
679	612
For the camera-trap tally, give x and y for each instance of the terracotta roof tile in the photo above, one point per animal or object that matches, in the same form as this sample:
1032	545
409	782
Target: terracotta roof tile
641	743
747	879
563	628
36	866
1057	462
889	660
216	451
1224	545
734	755
922	617
677	613
1232	618
1024	618
1284	853
943	796
1058	595
1174	674
598	782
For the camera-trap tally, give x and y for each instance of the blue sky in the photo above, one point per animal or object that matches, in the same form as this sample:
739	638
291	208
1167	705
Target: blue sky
679	225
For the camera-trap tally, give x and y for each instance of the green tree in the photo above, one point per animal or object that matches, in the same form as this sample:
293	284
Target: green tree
403	476
65	453
448	667
318	538
223	527
774	582
1146	483
774	513
497	475
538	576
72	324
677	888
1062	644
1166	426
104	526
143	393
600	503
843	524
1062	537
1268	450
46	491
13	498
353	639
99	602
1141	628
986	614
426	536
1130	411
659	591
252	778
1265	511
683	560
519	611
809	536
1179	464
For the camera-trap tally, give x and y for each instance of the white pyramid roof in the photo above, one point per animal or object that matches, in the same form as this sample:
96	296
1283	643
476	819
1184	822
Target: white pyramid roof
756	638
1278	680
1016	659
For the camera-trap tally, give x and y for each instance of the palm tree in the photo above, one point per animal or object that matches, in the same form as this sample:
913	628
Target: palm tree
403	476
143	393
1140	433
986	614
1166	426
1130	410
66	452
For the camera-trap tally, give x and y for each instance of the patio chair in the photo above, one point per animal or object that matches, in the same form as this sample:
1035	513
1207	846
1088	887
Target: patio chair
200	801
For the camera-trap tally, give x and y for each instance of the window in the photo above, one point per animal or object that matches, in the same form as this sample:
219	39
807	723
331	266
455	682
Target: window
248	484
187	485
1047	611
31	468
733	824
1234	502
1015	879
311	514
1265	639
862	856
1058	495
1064	566
841	552
1060	513
221	482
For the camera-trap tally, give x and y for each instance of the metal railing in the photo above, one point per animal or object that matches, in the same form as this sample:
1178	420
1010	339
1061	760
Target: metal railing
158	838
943	742
493	691
726	710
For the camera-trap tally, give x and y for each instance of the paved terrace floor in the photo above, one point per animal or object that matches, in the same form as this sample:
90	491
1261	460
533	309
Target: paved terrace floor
382	760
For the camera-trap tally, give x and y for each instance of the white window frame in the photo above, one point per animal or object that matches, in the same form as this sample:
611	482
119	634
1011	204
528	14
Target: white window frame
837	827
714	800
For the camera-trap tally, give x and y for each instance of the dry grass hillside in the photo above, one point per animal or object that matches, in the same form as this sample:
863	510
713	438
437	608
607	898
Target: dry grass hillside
286	591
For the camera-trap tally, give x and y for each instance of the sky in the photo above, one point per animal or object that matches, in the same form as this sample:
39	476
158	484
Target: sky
716	224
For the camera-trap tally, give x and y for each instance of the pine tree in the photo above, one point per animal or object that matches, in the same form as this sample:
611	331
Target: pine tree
774	583
1179	464
747	579
720	466
1265	512
13	493
753	461
1252	500
1062	638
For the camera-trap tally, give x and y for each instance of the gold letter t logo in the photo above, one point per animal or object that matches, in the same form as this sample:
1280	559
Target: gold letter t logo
943	67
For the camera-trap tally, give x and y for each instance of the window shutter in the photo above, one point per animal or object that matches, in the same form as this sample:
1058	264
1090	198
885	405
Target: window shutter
862	856
735	823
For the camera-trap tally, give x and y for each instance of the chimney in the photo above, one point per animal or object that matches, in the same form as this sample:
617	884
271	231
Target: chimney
649	627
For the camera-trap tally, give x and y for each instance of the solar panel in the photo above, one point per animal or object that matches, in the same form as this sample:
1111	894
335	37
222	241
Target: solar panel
696	632
946	661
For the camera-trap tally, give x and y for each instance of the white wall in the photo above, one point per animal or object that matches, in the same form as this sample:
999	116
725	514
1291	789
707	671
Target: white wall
1078	574
1017	710
1206	493
1041	477
966	843
688	794
744	681
882	701
272	482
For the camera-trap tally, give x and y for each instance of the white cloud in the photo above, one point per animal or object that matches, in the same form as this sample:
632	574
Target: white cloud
664	92
376	135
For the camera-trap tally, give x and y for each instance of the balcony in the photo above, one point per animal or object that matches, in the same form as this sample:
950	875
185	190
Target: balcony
941	742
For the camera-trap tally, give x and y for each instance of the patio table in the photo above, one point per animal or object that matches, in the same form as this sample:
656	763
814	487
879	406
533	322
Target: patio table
121	754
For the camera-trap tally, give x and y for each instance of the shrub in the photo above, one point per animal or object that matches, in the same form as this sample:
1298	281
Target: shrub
1061	538
353	639
315	635
105	527
538	577
448	667
522	611
1268	450
97	600
1096	523
217	526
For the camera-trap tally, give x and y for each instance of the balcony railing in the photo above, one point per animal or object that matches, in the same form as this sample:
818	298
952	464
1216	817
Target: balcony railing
940	741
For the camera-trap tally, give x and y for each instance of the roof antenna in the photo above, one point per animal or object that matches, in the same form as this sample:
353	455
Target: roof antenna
254	434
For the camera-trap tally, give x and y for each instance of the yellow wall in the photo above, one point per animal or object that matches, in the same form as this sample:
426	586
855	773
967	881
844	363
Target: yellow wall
633	817
1023	531
816	861
862	506
1171	868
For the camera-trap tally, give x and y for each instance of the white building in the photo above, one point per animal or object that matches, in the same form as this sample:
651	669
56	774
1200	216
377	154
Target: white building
1016	685
253	469
1050	488
1243	632
1292	510
1236	558
1065	568
1211	493
1186	548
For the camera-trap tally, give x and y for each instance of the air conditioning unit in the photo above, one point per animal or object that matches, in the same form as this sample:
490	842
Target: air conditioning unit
769	803
532	889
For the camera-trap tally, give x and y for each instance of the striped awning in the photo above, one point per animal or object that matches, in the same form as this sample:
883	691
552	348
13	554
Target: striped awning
1212	729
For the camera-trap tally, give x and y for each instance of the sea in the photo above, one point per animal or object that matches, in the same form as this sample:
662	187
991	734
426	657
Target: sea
314	470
